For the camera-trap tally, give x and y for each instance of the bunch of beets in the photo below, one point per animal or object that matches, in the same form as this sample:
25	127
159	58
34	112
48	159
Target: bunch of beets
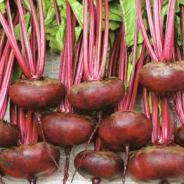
95	96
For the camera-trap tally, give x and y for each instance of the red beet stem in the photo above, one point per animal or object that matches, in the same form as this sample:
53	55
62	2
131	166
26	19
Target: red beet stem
21	124
143	30
182	24
151	24
14	45
167	138
91	36
76	56
69	46
4	108
98	38
6	80
23	29
67	163
79	66
66	69
115	50
94	67
98	144
169	34
136	80
146	103
2	41
23	47
33	42
105	41
155	120
134	59
127	150
41	60
36	29
56	8
158	30
163	49
122	53
13	113
179	107
85	40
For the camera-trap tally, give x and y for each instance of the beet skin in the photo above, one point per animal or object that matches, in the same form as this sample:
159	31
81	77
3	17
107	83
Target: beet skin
157	163
163	78
35	94
9	134
29	161
99	164
126	128
96	95
66	129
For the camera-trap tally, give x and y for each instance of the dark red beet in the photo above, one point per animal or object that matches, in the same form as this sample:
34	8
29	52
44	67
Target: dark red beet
126	128
157	163
9	134
29	161
66	129
179	136
35	94
163	78
96	95
99	164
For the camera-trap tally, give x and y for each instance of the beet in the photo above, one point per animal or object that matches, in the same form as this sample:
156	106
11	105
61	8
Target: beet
179	136
29	161
35	94
96	95
9	134
163	78
99	164
126	128
157	163
66	129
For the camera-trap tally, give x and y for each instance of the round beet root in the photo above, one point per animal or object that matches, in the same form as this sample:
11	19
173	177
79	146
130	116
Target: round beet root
157	163
66	129
35	94
163	78
99	164
9	134
96	95
126	128
179	136
29	161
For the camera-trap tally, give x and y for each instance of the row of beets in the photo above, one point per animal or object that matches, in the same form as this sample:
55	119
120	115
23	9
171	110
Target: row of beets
81	87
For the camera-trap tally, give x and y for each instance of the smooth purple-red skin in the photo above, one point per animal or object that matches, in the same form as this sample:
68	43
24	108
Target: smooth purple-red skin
99	164
179	136
96	95
9	134
157	163
36	94
163	78
29	161
125	128
66	129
